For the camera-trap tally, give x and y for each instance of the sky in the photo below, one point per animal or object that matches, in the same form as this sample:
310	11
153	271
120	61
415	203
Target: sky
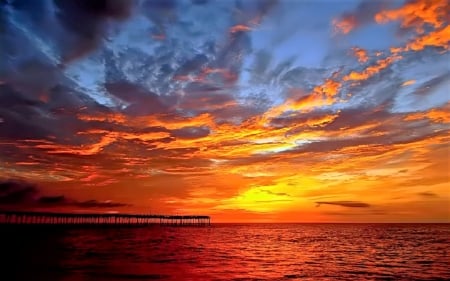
247	111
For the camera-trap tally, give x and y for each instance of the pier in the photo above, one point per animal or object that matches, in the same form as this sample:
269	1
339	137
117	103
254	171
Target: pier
50	218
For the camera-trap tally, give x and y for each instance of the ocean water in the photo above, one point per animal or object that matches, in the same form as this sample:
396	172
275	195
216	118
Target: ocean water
228	252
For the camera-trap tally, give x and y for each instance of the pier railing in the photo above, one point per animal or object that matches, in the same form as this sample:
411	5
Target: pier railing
50	218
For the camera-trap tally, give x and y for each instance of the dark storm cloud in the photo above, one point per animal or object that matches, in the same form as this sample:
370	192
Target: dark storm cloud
73	27
15	192
34	77
27	117
65	100
94	16
22	194
349	204
21	116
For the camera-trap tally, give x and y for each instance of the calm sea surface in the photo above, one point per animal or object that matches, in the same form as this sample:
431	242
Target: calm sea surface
228	252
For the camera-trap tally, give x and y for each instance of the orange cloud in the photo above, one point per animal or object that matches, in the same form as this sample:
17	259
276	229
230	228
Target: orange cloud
409	82
360	54
439	38
372	70
110	118
438	115
321	95
240	28
90	149
420	14
345	24
417	14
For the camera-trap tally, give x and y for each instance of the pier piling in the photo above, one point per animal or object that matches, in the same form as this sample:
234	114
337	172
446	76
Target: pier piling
53	218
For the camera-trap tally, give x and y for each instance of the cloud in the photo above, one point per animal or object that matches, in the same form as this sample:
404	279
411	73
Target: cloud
372	70
417	14
94	16
239	28
191	132
140	102
427	19
275	193
360	54
349	204
17	193
362	15
428	194
99	204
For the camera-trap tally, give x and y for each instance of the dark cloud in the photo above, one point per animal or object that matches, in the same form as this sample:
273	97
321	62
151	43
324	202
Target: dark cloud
46	201
275	193
428	194
22	194
191	132
192	65
361	213
50	200
349	204
34	77
99	204
27	117
16	192
199	101
140	101
94	16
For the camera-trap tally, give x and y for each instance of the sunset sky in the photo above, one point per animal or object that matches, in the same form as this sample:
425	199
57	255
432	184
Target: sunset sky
282	111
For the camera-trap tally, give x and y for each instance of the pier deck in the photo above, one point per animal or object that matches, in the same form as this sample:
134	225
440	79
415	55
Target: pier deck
53	218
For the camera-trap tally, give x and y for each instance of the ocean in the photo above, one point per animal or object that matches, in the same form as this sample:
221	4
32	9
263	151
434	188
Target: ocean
227	252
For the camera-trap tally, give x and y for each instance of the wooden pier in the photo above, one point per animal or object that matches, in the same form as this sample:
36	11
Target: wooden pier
50	218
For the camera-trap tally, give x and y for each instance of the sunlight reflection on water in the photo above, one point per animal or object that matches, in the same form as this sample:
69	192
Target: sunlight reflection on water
232	252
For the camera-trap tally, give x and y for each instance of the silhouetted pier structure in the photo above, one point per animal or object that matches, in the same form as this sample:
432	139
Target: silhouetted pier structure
50	218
